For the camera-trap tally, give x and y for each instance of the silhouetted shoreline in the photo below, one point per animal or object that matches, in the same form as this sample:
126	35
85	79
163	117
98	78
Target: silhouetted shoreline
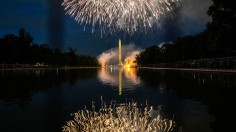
151	68
45	68
192	69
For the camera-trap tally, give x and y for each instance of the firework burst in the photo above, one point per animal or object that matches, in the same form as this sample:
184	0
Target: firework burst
117	15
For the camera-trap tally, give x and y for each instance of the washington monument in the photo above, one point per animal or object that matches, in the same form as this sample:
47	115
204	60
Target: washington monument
120	54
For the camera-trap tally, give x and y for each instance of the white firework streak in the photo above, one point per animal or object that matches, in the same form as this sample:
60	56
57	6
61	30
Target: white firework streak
126	15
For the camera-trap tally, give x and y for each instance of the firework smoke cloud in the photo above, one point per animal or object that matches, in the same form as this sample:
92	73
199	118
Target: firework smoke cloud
110	57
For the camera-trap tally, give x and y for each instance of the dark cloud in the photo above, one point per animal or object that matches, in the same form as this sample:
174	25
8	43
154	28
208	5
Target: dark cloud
188	19
193	16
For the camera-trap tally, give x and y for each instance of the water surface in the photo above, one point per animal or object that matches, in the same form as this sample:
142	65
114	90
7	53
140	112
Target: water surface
42	100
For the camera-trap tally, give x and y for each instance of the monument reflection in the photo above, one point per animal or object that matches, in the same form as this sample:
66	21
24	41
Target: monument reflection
123	78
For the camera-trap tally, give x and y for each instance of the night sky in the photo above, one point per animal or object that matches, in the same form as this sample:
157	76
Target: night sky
47	23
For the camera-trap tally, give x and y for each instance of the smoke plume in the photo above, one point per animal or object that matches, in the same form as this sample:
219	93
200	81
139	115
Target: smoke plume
110	57
193	16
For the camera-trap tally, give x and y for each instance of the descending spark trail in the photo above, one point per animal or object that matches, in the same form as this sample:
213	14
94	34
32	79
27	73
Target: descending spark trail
126	15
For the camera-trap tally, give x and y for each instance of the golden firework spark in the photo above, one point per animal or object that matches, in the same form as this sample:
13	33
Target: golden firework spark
126	15
124	117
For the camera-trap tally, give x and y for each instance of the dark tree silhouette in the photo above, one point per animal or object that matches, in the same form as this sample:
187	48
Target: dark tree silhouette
222	29
22	50
151	55
218	39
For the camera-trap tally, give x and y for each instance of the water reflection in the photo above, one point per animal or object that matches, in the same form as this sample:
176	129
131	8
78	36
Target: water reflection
120	81
200	101
206	99
123	117
18	86
121	77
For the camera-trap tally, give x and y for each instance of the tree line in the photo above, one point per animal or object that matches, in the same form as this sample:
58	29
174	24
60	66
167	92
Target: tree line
217	40
22	50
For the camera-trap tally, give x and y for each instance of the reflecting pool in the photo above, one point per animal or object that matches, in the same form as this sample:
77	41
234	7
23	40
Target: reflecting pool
43	100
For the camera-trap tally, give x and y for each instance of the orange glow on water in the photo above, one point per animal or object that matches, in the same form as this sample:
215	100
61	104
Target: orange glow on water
130	74
121	77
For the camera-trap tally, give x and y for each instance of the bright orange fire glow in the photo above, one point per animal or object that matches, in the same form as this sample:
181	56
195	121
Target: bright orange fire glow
103	65
130	60
129	64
